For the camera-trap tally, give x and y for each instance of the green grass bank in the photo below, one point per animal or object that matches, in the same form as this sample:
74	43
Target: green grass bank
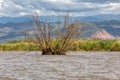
78	45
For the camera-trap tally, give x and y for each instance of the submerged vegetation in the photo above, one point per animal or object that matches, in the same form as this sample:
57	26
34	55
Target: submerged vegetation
78	45
54	40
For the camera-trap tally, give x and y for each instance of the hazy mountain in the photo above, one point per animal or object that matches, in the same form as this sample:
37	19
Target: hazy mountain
90	19
11	28
53	18
15	19
109	16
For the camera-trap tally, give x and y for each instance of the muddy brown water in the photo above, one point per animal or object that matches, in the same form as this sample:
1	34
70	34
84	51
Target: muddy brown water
73	66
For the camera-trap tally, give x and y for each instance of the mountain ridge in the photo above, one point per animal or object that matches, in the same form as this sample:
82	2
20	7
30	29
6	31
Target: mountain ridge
53	18
12	30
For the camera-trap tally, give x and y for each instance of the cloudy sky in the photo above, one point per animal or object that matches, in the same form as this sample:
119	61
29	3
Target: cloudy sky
51	7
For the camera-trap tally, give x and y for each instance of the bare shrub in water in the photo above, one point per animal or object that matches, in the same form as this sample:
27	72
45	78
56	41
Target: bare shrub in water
54	40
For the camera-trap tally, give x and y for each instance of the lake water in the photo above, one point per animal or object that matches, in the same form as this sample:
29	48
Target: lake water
73	66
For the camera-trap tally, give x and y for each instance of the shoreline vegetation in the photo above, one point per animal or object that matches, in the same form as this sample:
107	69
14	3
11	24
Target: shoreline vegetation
57	39
78	45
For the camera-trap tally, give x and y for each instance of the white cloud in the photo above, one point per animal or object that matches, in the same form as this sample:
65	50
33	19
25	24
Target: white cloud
48	7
